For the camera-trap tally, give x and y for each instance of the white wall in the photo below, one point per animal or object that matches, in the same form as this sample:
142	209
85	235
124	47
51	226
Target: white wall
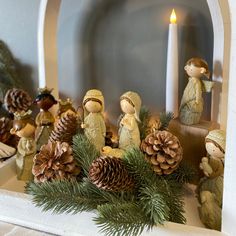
18	29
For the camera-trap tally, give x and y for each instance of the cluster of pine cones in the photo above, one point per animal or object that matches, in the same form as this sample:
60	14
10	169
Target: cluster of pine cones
55	159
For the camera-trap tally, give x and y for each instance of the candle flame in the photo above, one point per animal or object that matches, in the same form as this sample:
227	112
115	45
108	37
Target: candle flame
173	17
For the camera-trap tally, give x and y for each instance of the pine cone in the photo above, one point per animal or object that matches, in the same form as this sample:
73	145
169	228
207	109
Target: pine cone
65	128
55	161
163	151
109	173
17	100
5	126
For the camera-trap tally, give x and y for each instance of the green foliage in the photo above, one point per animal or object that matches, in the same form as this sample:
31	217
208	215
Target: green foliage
122	219
84	152
8	74
165	118
144	116
155	199
185	173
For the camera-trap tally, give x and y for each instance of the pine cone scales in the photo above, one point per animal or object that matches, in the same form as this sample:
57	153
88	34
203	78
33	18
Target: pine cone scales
65	128
5	126
55	161
163	151
109	173
17	100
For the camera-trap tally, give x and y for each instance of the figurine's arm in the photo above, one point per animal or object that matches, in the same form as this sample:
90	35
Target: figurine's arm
128	123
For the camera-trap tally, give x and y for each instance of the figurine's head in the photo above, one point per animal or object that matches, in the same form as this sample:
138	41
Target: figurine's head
23	125
93	102
45	100
197	67
130	103
215	143
64	106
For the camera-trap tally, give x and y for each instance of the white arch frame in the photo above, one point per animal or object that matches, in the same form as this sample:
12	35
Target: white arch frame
224	44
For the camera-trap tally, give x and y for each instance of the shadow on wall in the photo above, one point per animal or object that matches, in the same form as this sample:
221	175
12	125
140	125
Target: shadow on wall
124	47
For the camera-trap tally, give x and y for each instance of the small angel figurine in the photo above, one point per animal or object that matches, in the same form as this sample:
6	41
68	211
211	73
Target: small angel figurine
129	135
44	119
213	169
23	127
191	106
94	124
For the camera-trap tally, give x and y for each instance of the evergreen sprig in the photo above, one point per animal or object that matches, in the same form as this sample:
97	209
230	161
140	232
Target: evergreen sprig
84	152
155	199
72	196
122	219
144	116
165	118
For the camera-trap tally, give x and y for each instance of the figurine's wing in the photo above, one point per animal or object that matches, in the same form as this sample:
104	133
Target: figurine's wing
6	151
207	86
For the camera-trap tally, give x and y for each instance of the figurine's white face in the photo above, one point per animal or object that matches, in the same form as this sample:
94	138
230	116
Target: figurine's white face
126	107
213	150
93	107
194	71
26	132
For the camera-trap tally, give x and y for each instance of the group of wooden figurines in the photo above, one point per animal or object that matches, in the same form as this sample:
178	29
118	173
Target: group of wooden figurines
210	188
34	134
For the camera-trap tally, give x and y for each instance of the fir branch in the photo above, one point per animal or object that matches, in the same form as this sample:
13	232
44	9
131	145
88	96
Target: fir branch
122	219
71	196
185	173
172	192
165	118
154	204
84	152
139	168
61	196
144	116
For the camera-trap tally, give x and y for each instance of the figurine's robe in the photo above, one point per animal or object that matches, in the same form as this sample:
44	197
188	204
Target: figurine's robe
44	122
26	150
129	136
191	106
95	129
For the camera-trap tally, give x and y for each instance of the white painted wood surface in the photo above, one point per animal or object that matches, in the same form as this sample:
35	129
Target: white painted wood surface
47	44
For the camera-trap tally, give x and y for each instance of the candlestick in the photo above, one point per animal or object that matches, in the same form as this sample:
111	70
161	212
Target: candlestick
172	71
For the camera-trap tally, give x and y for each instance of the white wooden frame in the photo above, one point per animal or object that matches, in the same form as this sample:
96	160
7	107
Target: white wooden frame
224	24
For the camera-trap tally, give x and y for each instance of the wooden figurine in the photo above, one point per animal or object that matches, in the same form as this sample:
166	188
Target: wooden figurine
44	119
94	123
210	212
64	106
23	127
129	135
213	169
191	106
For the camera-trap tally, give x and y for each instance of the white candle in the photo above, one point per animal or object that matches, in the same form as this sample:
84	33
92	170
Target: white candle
172	76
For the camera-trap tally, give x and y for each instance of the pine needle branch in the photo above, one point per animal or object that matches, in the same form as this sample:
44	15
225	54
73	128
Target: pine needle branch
122	219
139	168
84	152
145	116
185	173
154	204
71	196
165	118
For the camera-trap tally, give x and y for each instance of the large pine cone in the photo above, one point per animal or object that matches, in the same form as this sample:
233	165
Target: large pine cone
55	161
163	151
17	100
65	128
5	127
109	173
